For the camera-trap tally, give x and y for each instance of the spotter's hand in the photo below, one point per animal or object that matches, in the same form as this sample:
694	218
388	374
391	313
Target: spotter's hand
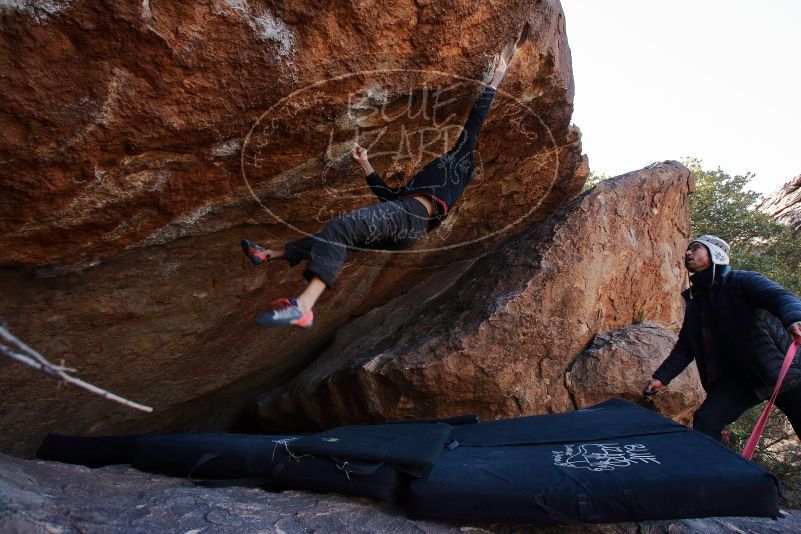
652	387
795	330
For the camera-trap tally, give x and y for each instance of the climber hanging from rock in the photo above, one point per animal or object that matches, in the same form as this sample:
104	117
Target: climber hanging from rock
401	217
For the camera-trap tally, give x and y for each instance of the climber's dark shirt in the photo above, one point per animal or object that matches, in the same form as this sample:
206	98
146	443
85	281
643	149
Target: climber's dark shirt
446	177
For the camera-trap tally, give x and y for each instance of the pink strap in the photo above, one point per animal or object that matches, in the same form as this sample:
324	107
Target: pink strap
753	440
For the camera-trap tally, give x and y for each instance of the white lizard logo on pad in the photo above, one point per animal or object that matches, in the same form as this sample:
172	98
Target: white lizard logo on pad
603	456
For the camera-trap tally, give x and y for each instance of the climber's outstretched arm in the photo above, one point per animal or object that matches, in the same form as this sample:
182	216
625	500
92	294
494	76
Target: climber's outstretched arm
378	186
501	64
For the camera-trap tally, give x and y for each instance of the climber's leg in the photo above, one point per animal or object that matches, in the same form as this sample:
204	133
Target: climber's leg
393	221
309	297
395	224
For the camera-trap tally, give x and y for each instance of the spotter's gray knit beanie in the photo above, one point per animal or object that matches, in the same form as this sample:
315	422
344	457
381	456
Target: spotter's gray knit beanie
718	249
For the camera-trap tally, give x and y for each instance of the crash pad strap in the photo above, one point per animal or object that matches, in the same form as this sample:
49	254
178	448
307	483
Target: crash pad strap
756	435
409	444
207	456
561	517
356	467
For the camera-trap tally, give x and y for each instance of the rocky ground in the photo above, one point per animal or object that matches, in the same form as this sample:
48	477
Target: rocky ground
48	497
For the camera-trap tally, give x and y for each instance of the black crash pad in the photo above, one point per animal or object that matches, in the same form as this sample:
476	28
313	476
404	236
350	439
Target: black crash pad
608	463
414	446
366	461
589	466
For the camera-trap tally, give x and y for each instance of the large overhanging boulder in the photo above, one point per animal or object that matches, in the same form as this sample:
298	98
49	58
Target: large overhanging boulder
495	336
784	204
132	124
141	141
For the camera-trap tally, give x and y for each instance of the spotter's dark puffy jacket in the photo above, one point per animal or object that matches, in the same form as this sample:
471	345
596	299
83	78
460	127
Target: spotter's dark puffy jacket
753	312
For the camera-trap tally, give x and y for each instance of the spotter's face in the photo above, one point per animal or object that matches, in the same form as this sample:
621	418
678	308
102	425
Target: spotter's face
696	258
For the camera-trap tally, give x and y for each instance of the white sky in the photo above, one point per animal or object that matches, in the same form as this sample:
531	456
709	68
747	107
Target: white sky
718	80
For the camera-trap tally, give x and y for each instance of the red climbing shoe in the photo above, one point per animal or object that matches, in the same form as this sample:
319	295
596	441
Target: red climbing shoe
286	312
254	251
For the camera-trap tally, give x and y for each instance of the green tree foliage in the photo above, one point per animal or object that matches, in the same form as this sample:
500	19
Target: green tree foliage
724	206
592	180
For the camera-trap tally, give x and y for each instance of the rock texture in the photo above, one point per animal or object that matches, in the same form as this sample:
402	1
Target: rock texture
123	123
495	337
784	205
140	141
51	497
620	362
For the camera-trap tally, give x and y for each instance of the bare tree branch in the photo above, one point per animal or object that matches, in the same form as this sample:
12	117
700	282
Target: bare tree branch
22	346
39	362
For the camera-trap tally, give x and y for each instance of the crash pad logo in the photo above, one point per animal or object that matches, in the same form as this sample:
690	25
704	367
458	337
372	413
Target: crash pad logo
603	456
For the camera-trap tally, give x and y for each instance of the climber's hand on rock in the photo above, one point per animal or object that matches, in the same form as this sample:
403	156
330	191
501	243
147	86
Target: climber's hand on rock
795	330
359	154
500	65
500	71
653	386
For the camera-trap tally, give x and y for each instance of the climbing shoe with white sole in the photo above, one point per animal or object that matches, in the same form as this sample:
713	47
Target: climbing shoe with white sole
285	312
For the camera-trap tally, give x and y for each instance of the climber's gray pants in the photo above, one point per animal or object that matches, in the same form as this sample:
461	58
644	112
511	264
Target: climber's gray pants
391	225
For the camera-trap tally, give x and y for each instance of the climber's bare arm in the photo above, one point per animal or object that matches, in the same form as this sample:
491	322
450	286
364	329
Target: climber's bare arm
500	71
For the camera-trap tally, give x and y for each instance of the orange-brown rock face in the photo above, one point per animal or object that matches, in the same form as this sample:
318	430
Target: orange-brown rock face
495	337
784	205
139	141
124	123
619	364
